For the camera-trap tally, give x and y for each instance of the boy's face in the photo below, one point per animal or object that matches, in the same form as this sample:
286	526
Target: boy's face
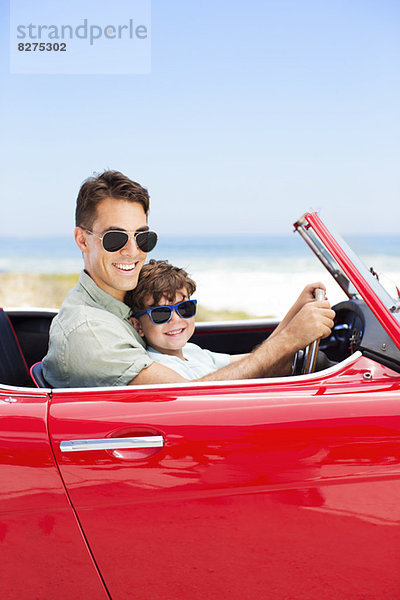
168	338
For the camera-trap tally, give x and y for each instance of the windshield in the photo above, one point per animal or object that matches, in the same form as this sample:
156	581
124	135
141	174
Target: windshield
355	279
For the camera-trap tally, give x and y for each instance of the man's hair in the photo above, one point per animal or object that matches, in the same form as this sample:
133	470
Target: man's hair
110	184
158	279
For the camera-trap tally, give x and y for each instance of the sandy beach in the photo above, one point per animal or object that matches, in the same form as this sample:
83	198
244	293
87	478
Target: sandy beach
45	290
40	289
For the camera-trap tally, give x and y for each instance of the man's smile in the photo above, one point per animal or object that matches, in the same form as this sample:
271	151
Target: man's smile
125	266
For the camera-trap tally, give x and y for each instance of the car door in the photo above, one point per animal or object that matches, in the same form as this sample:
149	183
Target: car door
269	489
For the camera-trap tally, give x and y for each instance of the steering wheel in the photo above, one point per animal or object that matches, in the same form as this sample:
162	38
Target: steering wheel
307	358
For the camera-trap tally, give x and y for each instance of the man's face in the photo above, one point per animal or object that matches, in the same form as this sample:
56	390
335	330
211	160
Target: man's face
168	338
114	272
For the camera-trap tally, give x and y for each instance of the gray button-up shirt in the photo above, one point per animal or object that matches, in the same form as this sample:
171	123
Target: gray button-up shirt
92	342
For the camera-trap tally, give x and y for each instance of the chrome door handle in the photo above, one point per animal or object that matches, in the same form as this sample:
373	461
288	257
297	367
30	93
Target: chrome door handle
150	441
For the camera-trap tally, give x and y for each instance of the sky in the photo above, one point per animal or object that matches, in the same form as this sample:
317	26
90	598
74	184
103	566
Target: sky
251	113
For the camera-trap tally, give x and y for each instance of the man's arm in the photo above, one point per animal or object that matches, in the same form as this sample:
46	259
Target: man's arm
157	373
271	358
307	295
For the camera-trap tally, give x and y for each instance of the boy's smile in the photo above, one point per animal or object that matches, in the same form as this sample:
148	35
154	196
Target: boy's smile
168	338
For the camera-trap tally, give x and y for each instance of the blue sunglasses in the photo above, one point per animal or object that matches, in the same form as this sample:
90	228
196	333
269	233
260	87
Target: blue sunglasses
162	314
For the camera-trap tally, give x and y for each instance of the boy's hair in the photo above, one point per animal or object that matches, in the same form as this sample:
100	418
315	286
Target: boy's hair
110	184
158	279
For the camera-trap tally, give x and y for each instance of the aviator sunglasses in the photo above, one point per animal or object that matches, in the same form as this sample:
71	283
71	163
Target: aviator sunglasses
115	240
163	314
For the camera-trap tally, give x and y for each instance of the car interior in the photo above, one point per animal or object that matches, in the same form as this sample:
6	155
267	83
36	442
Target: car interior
24	338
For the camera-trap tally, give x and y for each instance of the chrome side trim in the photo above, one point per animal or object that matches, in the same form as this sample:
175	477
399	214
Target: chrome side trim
261	382
151	441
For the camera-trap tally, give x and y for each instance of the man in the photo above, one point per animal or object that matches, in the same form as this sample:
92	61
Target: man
92	342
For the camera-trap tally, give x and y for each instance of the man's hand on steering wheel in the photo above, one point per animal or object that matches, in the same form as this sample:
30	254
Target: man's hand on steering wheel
318	322
313	321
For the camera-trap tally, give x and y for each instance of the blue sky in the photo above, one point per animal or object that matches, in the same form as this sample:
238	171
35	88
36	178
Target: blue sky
253	112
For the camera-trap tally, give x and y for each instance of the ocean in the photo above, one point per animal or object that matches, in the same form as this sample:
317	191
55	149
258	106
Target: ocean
261	275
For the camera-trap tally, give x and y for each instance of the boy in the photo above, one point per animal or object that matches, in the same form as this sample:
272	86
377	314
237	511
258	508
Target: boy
163	314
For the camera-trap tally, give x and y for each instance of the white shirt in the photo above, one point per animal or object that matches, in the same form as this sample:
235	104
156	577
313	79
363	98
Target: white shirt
198	361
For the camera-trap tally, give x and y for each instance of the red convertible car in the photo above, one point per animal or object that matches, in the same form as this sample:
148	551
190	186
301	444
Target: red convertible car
280	488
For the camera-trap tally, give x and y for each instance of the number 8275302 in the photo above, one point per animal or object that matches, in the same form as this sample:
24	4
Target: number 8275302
42	47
